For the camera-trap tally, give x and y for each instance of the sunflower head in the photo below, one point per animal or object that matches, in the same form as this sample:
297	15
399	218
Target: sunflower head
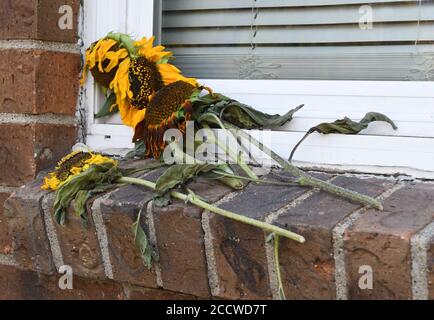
71	165
102	58
145	81
133	70
169	108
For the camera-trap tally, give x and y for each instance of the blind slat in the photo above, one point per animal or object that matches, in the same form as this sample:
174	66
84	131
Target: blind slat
228	34
298	16
175	5
300	35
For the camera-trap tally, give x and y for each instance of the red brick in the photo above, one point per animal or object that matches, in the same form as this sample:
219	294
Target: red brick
138	293
430	262
29	285
5	241
119	212
38	81
30	148
79	245
382	241
36	19
308	269
182	250
239	249
24	216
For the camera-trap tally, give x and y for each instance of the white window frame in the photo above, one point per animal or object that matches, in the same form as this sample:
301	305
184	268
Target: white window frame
379	149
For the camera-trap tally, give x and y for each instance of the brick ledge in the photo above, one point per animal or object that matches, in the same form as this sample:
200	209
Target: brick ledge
205	256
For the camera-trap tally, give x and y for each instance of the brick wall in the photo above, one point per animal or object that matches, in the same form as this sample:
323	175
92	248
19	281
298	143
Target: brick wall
201	255
39	69
204	256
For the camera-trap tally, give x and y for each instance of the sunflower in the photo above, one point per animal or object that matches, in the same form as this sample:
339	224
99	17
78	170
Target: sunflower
72	165
171	107
102	59
134	70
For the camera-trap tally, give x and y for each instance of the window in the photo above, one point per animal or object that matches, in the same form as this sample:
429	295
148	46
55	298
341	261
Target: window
301	39
277	54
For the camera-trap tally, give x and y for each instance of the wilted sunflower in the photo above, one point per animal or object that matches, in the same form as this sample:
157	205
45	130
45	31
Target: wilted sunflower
170	108
134	70
102	59
72	165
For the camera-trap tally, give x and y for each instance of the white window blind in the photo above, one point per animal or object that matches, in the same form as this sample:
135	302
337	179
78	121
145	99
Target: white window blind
301	39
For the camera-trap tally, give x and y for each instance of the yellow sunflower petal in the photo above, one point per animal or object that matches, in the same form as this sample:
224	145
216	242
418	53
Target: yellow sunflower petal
93	54
147	50
131	116
114	57
99	159
72	165
105	46
121	83
171	74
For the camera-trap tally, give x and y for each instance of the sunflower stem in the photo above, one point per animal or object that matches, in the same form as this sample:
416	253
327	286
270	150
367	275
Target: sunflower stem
277	262
194	199
305	179
237	158
225	174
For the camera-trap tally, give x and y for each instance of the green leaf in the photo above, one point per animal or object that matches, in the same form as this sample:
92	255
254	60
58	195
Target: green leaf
232	182
162	200
248	118
179	174
345	126
201	103
107	109
80	206
81	199
142	242
94	179
239	114
138	151
375	116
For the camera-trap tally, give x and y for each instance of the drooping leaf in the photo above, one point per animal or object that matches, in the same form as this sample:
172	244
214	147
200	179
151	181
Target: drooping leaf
96	177
202	103
345	126
108	108
80	206
239	114
138	151
142	242
232	182
81	199
179	174
246	117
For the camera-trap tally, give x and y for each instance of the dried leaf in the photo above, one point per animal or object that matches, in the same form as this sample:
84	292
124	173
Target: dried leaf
232	182
246	117
179	174
142	242
81	198
345	126
238	114
95	178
